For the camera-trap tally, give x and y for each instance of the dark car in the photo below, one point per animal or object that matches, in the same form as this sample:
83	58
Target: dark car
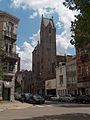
25	97
17	96
82	99
36	99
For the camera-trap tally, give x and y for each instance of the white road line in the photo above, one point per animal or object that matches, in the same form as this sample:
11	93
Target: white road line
42	106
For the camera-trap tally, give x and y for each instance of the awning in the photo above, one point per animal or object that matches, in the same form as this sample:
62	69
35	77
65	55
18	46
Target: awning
7	84
83	85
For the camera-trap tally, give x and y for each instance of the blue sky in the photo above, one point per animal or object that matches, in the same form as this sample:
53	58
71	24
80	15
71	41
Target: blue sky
29	12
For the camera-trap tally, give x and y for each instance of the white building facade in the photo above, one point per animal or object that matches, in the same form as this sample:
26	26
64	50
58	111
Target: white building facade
61	80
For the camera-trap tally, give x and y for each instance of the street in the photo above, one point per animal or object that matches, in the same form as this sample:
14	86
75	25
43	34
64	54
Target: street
48	111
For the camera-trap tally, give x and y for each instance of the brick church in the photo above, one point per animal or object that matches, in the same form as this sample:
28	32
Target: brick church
44	56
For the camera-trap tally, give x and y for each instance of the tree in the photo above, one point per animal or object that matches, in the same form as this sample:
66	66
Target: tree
80	28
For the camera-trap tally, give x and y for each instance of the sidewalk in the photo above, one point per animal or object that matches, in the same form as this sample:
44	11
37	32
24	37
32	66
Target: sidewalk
13	105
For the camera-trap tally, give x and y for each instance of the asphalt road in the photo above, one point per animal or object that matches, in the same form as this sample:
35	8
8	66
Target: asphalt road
48	111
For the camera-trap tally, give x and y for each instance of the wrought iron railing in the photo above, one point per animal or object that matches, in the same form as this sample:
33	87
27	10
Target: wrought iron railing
9	34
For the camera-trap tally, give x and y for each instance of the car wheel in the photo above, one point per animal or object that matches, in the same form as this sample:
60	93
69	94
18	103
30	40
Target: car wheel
83	101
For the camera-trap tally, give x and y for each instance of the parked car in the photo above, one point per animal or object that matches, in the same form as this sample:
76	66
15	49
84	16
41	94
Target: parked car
17	96
36	99
55	98
25	97
67	98
48	97
82	99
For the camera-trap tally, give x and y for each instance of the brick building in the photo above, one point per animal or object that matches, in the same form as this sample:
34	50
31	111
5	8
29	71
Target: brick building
8	34
23	81
44	58
44	55
83	69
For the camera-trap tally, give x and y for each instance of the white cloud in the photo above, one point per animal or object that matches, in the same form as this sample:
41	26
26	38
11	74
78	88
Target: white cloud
25	55
62	43
47	8
25	51
35	38
58	25
33	15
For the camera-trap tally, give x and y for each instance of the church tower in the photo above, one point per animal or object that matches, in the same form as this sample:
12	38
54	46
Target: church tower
44	55
48	47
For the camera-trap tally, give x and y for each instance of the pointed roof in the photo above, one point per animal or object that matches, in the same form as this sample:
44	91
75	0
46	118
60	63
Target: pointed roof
46	21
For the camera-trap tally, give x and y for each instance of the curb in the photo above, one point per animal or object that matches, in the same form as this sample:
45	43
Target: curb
13	106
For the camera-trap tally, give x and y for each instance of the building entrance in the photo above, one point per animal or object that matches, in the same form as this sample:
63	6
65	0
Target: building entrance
6	94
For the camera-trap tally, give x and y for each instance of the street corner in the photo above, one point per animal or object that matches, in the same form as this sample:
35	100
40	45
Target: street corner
19	106
13	105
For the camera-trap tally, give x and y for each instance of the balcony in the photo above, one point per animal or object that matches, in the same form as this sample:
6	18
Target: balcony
9	73
9	34
9	70
11	55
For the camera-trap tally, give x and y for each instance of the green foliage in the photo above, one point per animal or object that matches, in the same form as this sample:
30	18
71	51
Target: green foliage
80	28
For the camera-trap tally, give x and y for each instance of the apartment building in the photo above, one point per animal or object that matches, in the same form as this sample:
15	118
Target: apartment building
8	34
71	72
66	77
61	79
23	81
83	69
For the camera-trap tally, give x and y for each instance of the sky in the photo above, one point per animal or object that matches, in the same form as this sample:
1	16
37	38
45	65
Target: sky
29	13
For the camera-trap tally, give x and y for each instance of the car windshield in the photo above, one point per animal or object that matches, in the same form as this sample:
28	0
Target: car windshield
28	94
37	96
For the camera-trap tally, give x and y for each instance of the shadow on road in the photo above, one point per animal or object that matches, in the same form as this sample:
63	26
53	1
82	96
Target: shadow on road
64	104
74	116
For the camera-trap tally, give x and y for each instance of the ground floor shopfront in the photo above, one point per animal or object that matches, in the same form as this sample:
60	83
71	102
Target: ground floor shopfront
6	91
83	88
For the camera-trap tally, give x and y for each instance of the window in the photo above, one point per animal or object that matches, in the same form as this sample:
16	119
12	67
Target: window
6	47
10	27
84	70
53	67
10	48
42	67
49	29
61	79
60	69
41	60
11	67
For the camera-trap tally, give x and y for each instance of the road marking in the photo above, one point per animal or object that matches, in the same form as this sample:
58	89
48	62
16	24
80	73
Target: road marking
42	106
